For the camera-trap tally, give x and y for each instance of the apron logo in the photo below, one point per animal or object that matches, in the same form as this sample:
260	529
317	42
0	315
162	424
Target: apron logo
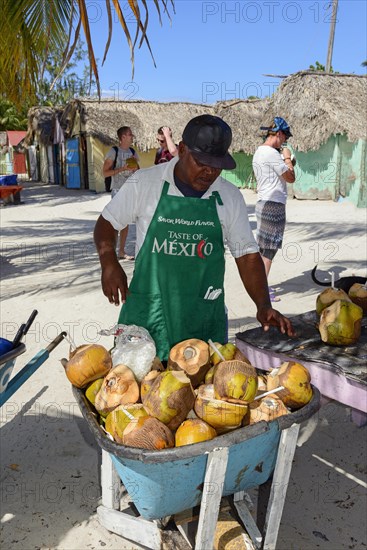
177	248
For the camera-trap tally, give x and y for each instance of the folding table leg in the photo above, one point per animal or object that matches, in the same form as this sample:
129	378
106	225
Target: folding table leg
212	494
279	486
110	483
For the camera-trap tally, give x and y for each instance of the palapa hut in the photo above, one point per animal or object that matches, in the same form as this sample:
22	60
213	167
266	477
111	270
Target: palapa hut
95	123
328	116
44	140
327	113
245	118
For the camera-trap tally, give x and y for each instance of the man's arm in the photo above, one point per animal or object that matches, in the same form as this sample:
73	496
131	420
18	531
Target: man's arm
109	171
289	175
172	148
252	273
114	280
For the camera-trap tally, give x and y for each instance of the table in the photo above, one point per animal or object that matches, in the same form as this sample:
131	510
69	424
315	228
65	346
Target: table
340	373
7	191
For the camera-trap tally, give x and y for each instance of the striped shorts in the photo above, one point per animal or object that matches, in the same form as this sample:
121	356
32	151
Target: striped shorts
270	218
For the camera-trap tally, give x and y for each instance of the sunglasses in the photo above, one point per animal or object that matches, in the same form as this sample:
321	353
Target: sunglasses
161	140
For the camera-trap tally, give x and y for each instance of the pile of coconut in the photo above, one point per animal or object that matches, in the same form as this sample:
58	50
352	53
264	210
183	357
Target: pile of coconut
201	394
341	314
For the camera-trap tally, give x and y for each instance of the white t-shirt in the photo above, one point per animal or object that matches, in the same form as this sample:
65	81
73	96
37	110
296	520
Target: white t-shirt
137	200
268	167
119	179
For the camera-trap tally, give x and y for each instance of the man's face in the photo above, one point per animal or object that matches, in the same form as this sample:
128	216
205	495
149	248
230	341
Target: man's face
126	139
162	141
199	176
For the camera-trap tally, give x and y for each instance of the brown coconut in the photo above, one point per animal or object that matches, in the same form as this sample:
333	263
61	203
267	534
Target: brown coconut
340	323
88	363
296	381
235	381
119	388
191	356
119	418
193	430
219	414
170	398
148	433
328	296
358	294
268	408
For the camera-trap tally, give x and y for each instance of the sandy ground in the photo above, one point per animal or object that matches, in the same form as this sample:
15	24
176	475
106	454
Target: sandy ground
50	461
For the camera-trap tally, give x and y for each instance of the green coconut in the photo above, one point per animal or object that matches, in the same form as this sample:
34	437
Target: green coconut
170	398
340	323
235	381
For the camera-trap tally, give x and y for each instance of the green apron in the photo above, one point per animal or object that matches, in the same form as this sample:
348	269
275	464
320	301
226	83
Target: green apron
177	290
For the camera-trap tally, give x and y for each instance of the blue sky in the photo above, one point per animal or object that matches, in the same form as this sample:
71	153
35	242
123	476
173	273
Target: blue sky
213	51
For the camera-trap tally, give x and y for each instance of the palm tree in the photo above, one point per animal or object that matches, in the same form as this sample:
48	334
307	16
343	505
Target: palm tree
30	28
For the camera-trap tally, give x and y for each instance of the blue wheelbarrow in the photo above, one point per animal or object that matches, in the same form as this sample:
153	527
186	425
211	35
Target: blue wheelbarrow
166	484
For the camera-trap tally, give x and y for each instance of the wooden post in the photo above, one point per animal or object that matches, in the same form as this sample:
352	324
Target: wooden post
279	486
212	493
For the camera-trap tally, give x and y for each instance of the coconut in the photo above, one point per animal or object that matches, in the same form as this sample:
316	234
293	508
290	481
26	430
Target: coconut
217	413
229	351
328	296
147	382
93	389
209	377
148	433
170	398
119	388
340	323
191	356
87	363
119	418
235	381
358	294
193	430
268	408
295	379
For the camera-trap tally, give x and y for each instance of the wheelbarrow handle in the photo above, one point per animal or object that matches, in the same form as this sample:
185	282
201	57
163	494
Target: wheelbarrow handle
30	321
52	345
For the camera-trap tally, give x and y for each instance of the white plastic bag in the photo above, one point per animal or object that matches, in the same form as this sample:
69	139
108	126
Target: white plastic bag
135	348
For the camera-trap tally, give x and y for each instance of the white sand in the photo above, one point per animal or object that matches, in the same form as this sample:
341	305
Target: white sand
50	461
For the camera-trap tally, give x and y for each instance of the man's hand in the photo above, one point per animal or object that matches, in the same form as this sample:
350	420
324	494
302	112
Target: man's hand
114	280
271	317
166	132
114	283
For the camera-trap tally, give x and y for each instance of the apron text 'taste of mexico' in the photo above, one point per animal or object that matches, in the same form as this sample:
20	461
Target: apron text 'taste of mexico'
177	288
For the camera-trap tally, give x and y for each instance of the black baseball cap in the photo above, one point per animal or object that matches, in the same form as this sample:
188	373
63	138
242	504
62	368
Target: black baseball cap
208	138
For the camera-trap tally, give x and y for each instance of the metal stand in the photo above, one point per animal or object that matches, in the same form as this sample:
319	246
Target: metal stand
152	533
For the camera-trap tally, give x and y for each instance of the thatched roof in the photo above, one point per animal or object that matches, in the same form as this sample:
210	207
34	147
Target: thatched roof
318	105
245	118
101	119
41	121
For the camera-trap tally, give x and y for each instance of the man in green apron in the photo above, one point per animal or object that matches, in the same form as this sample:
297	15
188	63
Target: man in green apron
184	212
